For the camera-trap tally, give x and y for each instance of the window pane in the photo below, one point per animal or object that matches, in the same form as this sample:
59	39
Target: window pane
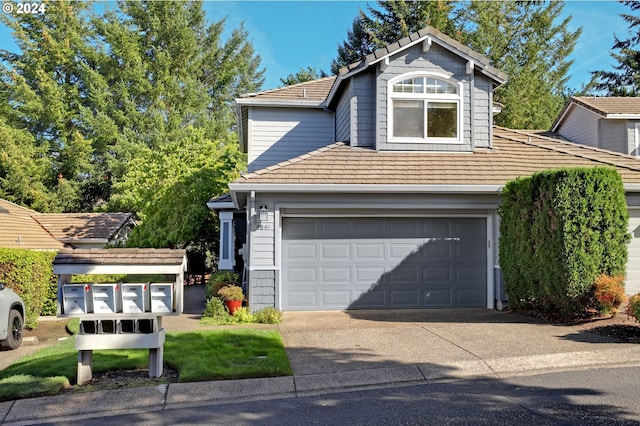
408	119
442	120
438	86
412	85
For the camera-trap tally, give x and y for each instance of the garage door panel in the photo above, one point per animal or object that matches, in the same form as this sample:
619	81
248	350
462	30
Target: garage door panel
436	250
404	274
407	298
376	263
302	276
369	251
469	298
336	274
369	299
304	300
335	299
301	251
368	274
341	251
436	273
437	298
400	251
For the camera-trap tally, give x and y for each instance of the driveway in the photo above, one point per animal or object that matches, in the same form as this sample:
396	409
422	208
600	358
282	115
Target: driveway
440	344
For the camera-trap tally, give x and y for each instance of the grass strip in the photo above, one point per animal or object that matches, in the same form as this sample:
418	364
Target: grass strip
196	356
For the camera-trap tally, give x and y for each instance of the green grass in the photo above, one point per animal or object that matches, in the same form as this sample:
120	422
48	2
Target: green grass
196	356
226	354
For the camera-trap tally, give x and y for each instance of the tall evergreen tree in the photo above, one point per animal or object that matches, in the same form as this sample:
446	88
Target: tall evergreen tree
45	86
528	42
391	21
625	79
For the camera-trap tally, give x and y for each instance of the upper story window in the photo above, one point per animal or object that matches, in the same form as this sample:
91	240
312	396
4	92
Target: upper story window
425	109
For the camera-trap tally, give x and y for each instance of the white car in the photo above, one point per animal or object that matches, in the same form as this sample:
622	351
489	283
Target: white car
11	318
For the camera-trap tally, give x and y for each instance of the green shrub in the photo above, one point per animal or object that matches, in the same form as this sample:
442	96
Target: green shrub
29	274
633	308
268	315
244	315
559	230
215	308
219	280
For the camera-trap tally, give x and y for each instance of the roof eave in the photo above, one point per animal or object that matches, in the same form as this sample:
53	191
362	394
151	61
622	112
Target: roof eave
239	187
282	103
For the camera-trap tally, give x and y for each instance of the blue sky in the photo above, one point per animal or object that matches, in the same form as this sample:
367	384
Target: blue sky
290	35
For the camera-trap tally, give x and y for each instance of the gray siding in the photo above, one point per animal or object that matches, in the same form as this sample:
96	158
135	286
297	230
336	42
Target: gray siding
279	134
613	135
363	115
580	126
483	111
343	116
439	60
262	289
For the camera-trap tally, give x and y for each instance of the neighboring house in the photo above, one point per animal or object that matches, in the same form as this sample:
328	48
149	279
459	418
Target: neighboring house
379	188
21	227
611	123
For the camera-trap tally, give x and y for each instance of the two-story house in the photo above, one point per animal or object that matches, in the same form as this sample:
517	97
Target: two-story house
378	188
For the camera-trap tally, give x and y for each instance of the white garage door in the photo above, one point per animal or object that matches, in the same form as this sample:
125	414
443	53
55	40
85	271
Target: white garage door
384	263
632	285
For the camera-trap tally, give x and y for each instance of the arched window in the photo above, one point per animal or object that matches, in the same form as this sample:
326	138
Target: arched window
424	108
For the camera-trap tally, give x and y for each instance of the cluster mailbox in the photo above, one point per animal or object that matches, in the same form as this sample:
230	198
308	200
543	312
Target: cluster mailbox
126	298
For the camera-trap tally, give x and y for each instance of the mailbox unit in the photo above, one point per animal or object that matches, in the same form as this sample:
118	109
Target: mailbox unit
106	298
135	298
77	299
124	315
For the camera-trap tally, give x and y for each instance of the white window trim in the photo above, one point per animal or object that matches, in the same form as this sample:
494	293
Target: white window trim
458	98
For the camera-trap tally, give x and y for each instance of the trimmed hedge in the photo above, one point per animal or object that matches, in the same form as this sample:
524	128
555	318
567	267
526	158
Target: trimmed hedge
29	273
559	231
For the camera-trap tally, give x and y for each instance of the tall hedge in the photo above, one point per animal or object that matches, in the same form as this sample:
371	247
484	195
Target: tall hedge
559	230
29	274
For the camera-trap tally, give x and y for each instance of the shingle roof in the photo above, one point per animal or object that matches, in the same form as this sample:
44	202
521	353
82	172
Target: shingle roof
311	90
18	229
606	106
79	226
133	256
609	105
21	227
514	154
445	40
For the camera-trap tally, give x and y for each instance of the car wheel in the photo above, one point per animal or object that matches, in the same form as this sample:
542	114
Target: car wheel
16	325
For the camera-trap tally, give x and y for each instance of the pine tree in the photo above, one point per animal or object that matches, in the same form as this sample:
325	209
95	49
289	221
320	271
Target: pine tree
303	75
45	86
625	80
524	40
391	22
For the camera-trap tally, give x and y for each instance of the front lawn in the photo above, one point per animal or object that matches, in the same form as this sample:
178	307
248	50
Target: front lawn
196	356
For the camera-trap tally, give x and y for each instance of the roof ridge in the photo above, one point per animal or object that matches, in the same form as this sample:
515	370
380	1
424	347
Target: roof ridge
27	209
293	160
264	92
573	145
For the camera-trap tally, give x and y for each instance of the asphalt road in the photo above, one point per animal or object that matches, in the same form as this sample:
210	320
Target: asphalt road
605	396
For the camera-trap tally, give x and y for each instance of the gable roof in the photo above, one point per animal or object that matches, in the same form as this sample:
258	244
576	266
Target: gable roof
21	227
76	227
339	167
425	35
606	107
314	91
18	229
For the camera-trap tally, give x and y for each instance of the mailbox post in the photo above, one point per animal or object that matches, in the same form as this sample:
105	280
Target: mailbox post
120	316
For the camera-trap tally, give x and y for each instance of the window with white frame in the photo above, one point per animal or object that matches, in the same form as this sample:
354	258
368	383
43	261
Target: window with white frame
425	109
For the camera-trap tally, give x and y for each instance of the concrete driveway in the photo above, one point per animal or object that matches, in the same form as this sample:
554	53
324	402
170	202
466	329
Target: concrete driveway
428	344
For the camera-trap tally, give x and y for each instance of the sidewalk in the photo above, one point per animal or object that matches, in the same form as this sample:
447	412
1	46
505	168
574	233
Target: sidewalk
335	351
